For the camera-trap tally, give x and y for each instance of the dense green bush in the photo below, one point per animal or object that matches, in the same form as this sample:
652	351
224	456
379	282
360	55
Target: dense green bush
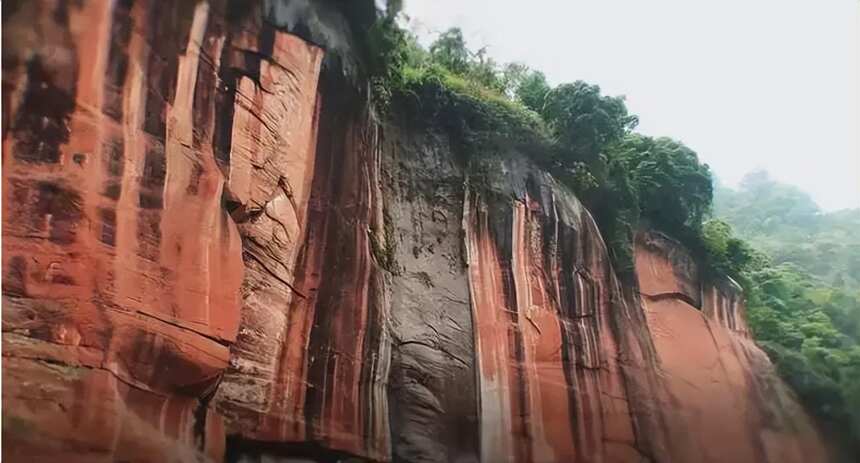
531	89
672	187
819	392
477	119
584	121
810	331
727	254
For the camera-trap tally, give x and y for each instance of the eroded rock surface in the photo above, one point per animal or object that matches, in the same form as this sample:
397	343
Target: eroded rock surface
121	269
717	382
214	250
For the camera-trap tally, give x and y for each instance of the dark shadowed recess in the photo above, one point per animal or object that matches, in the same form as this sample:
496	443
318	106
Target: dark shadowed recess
338	26
250	451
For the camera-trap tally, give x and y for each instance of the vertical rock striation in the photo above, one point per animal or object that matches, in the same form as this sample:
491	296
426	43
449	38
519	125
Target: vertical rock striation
121	269
717	382
513	340
215	251
541	293
311	366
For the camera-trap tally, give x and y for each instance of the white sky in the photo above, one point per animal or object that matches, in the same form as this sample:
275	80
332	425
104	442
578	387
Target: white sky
748	84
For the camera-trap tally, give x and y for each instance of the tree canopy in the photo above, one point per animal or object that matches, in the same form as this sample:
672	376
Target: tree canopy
584	121
786	223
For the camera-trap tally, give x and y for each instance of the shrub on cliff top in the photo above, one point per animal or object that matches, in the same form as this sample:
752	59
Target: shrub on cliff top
578	134
477	117
584	121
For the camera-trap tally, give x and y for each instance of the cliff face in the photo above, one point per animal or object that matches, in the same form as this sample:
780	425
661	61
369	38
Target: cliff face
121	268
214	250
507	322
716	381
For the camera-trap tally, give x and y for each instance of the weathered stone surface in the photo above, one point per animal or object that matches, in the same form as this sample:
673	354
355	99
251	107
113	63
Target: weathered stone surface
214	250
504	314
121	265
719	387
432	389
546	357
121	269
326	357
64	412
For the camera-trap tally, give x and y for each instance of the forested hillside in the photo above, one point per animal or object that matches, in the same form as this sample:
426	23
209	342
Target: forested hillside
787	224
803	289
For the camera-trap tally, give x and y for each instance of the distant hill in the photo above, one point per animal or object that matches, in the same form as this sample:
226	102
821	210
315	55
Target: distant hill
786	223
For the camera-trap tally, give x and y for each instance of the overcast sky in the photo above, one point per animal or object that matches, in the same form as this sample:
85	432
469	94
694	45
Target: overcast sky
748	84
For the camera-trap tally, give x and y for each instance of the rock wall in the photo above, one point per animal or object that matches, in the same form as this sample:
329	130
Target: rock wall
311	360
508	324
121	269
716	380
214	250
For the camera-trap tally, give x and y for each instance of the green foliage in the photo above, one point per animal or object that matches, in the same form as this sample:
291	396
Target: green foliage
388	47
657	180
477	119
466	95
821	394
450	51
850	386
811	333
787	224
531	90
674	187
726	253
584	121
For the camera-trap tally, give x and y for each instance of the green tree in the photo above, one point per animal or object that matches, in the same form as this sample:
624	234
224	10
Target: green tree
584	121
674	188
532	90
726	253
449	50
484	70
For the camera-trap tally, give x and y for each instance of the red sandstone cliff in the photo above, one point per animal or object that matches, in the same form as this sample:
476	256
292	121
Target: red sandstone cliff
213	250
716	381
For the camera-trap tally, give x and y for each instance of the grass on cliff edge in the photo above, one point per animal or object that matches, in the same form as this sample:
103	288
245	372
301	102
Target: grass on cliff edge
478	119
